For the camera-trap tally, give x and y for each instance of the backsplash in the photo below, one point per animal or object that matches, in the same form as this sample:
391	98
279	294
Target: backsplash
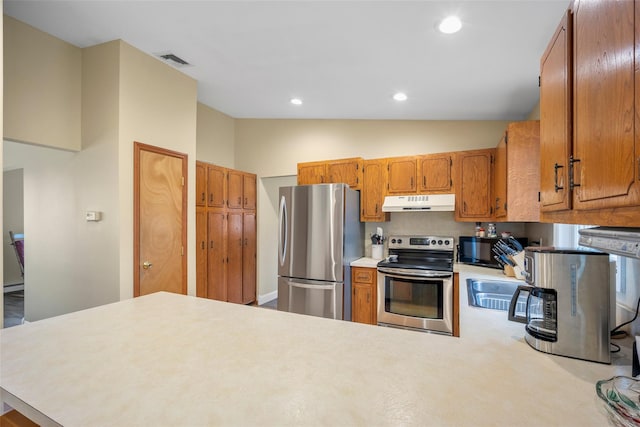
432	223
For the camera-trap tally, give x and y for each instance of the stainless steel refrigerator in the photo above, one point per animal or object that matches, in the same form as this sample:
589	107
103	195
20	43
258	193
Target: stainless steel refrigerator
320	234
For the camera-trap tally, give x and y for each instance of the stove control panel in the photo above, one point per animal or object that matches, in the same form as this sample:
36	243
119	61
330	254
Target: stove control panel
442	243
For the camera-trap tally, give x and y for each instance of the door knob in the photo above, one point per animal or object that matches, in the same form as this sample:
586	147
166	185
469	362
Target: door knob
146	265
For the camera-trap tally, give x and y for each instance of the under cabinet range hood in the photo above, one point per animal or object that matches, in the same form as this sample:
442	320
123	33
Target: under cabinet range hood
431	202
618	241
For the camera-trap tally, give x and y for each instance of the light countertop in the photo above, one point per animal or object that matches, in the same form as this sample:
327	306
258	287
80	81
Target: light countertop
167	359
366	262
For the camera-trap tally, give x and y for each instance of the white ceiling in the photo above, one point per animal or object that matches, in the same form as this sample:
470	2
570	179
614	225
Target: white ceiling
344	59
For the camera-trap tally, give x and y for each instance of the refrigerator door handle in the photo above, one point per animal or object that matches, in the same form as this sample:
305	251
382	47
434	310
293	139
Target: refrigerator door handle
311	286
283	236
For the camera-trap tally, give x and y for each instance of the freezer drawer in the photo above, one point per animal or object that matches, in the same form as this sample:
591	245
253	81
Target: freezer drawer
315	298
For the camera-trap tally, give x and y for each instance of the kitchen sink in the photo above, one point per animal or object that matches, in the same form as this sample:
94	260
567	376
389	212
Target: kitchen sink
494	294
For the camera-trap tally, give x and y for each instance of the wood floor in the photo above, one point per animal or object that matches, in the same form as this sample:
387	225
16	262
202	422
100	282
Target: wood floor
13	308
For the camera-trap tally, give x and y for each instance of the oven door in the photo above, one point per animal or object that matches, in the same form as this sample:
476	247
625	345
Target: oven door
416	299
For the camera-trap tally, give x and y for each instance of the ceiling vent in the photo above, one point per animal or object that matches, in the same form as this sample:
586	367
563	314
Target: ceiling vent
173	59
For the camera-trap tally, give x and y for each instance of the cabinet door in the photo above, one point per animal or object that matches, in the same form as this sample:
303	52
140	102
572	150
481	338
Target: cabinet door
201	253
201	184
235	180
249	258
556	119
311	173
235	243
249	191
216	274
364	301
475	194
500	179
348	171
216	186
605	156
402	175
523	171
373	191
435	173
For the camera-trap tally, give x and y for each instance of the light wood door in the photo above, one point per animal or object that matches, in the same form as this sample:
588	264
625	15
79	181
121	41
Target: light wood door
373	191
605	149
201	253
249	191
364	291
201	184
235	243
556	118
160	220
311	173
435	173
348	171
402	174
234	191
475	172
216	186
249	258
216	256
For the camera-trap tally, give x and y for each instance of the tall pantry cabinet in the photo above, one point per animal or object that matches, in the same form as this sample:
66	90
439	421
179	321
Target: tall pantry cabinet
225	234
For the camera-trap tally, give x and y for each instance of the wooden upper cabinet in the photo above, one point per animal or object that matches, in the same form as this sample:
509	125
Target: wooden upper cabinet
249	191
311	173
517	173
216	186
348	171
606	150
402	173
373	191
474	195
201	184
234	191
556	118
500	179
435	173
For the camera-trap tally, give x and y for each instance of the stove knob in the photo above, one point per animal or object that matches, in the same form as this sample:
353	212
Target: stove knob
399	241
439	242
446	242
393	240
433	242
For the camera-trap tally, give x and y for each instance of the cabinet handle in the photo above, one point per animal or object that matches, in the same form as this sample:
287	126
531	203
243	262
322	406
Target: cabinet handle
203	197
245	201
368	295
202	245
239	200
555	177
210	197
464	207
572	163
376	208
211	244
424	181
411	182
246	242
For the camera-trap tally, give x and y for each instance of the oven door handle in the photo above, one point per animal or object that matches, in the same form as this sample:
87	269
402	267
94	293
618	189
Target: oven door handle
403	273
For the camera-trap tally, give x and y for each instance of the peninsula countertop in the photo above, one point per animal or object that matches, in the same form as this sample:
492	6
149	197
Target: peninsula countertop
167	359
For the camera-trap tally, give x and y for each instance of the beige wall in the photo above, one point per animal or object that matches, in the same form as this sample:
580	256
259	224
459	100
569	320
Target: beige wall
535	113
158	106
43	98
274	147
215	136
1	146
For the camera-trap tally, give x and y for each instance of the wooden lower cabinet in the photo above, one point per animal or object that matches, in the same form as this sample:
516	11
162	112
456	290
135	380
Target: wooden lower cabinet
216	255
201	253
364	295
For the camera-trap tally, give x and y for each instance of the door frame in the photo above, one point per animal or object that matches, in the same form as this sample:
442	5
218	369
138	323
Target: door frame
137	148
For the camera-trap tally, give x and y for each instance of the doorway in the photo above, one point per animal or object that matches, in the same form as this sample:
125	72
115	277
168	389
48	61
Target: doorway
160	220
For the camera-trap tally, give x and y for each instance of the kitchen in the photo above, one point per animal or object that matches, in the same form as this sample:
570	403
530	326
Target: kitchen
374	139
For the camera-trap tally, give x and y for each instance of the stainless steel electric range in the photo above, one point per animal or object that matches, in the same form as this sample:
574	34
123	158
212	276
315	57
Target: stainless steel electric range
415	284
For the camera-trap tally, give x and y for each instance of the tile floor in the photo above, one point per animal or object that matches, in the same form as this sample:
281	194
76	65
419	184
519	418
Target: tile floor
13	308
273	304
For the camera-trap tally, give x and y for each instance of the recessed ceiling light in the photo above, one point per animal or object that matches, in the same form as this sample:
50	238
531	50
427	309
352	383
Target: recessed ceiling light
400	96
296	101
450	24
